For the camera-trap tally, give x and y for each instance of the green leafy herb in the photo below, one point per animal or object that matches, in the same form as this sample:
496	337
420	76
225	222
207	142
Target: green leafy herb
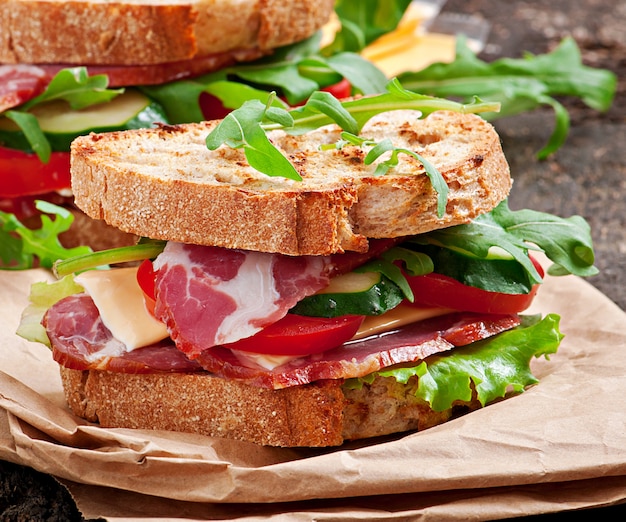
296	71
491	366
415	263
241	129
363	21
386	145
22	247
520	85
73	86
566	241
245	127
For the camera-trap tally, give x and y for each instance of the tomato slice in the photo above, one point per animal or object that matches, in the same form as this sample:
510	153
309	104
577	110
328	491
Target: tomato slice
23	173
145	280
443	291
300	335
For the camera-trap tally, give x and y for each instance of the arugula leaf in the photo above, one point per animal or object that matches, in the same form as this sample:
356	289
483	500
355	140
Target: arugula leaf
73	86
363	21
415	263
520	85
295	70
386	145
566	241
31	129
76	87
21	247
396	97
490	366
241	129
245	127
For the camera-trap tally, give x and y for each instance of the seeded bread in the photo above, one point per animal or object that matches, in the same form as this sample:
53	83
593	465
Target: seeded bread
164	183
314	415
141	32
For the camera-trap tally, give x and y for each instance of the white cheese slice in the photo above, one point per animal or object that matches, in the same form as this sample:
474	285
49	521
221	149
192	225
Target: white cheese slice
120	301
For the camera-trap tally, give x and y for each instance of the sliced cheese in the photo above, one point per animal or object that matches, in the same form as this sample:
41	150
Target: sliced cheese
401	315
120	301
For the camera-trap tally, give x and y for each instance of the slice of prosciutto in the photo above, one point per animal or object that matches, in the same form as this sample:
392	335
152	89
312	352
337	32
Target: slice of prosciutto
81	341
208	296
359	358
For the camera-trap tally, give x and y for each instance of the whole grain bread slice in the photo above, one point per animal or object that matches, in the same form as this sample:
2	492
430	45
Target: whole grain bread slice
315	415
164	183
141	32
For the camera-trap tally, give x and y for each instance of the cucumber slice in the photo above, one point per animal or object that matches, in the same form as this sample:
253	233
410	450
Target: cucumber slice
129	110
494	274
368	293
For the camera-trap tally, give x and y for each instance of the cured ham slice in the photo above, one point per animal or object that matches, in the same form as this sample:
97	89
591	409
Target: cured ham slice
209	295
359	358
81	341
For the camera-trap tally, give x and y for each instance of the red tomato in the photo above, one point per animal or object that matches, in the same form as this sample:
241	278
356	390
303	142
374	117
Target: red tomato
443	291
23	174
145	279
300	335
213	109
341	89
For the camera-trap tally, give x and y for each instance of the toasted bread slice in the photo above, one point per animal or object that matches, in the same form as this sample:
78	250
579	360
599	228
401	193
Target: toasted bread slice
164	183
141	32
315	415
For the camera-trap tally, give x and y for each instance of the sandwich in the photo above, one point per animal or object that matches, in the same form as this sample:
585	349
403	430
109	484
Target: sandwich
68	68
306	277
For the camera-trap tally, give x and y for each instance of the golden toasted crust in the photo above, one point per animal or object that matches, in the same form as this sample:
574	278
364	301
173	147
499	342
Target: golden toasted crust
315	415
139	32
164	183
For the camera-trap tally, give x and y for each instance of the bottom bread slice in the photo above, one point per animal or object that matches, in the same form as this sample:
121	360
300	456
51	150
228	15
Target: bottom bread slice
325	413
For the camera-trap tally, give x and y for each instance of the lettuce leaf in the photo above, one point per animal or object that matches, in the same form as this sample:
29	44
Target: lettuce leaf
492	366
42	296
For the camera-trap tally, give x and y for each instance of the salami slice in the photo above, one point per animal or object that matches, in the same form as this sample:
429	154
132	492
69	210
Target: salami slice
359	358
20	83
81	341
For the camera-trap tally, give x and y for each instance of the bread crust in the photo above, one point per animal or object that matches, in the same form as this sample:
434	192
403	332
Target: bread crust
165	184
315	415
140	32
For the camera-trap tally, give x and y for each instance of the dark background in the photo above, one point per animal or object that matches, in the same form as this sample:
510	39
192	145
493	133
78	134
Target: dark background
586	177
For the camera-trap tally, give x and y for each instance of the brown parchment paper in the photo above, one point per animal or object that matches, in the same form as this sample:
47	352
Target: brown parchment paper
560	445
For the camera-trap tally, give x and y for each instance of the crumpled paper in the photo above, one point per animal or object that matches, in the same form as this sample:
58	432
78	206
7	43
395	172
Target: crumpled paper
560	445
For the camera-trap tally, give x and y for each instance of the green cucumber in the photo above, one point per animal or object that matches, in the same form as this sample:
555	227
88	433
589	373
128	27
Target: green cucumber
496	273
367	293
129	110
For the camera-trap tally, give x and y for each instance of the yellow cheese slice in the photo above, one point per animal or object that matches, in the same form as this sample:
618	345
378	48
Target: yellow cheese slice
120	301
